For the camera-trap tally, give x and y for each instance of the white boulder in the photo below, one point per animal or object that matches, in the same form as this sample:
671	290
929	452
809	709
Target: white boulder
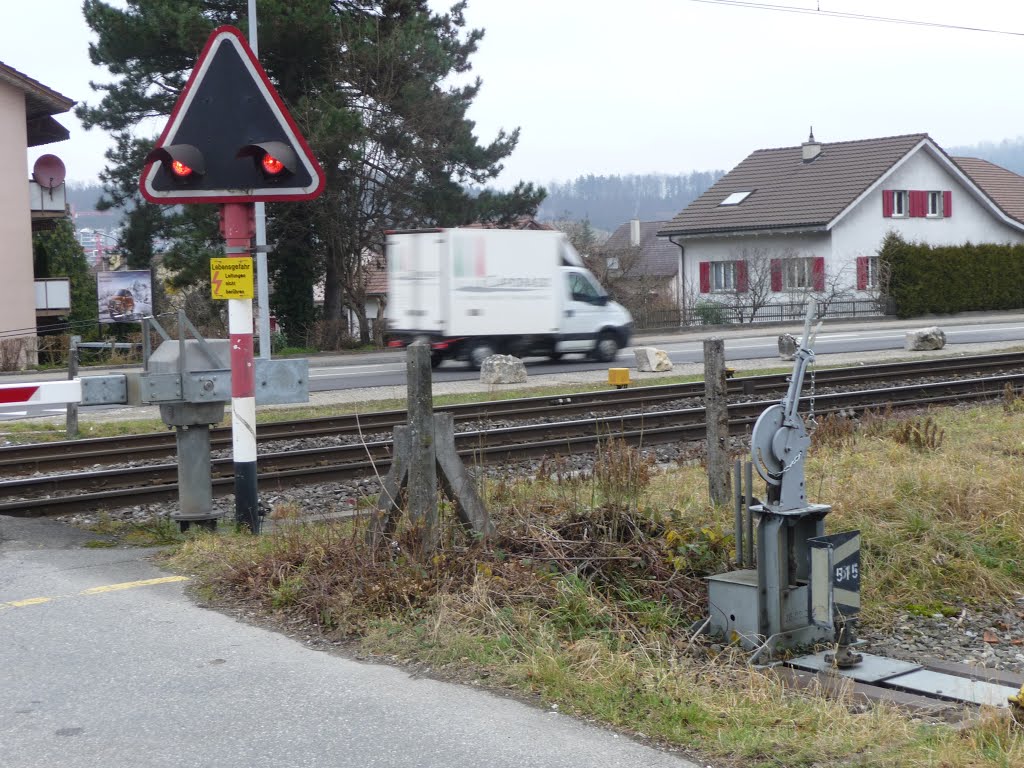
502	369
925	338
787	346
651	359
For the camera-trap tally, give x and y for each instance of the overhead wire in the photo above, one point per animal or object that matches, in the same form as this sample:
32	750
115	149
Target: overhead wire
857	16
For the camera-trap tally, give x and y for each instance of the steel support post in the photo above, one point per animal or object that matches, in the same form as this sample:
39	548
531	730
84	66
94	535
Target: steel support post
195	487
237	225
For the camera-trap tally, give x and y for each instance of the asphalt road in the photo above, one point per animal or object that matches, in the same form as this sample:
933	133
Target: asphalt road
388	369
104	661
382	369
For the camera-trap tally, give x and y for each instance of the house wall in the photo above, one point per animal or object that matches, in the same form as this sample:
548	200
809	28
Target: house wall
861	231
17	293
726	248
370	311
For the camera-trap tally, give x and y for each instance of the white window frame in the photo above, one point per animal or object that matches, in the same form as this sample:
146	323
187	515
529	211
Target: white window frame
611	263
723	276
798	274
736	198
935	205
900	204
872	273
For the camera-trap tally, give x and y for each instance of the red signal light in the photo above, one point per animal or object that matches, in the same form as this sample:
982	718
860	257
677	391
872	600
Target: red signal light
271	165
180	170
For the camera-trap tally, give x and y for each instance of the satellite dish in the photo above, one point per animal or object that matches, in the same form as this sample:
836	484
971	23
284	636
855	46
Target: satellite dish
48	171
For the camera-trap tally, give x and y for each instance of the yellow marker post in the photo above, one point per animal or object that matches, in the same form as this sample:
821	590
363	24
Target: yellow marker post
618	377
231	277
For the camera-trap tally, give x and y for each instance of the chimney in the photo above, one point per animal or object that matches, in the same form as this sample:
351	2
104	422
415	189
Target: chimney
634	232
811	148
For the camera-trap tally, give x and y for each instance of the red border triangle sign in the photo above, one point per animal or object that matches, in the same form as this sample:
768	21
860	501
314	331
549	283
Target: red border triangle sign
227	120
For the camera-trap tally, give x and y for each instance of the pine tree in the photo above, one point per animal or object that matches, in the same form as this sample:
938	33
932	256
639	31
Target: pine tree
368	83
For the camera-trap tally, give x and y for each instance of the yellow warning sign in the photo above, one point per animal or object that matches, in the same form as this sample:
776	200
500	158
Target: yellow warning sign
231	278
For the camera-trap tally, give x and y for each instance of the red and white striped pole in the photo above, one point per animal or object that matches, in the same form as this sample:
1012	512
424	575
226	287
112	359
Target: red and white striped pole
238	227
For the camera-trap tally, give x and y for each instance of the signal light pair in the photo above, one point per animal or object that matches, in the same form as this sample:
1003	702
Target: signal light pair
185	162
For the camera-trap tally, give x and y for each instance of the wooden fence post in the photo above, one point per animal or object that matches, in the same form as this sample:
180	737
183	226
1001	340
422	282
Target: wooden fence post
422	462
716	404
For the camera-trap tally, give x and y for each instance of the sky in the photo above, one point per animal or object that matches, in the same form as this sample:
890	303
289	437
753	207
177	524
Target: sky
661	86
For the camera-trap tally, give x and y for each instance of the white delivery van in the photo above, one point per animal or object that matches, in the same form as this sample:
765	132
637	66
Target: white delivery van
472	293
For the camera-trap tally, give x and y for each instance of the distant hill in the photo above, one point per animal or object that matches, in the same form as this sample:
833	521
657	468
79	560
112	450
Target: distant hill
83	199
1008	153
608	201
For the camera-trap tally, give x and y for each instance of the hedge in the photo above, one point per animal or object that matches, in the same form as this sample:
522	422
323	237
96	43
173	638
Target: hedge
926	279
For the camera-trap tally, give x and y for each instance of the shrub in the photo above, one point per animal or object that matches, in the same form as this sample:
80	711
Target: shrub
711	313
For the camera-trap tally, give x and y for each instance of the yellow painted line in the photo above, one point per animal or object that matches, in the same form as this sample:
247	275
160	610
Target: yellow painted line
30	601
95	591
131	585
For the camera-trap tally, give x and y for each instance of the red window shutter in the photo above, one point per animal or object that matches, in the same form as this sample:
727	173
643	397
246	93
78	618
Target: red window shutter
887	203
818	273
862	273
705	277
918	203
947	203
776	270
741	277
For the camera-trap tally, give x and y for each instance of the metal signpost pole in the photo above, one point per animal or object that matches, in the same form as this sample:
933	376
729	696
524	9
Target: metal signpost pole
238	228
207	154
262	278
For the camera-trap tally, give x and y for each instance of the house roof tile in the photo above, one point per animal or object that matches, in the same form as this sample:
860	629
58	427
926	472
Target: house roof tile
787	192
375	277
658	257
1004	187
40	101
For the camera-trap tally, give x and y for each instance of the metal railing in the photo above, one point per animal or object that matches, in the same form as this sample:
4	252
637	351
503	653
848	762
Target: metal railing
721	314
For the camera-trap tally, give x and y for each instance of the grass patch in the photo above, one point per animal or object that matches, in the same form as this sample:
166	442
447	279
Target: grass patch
99	544
586	594
158	532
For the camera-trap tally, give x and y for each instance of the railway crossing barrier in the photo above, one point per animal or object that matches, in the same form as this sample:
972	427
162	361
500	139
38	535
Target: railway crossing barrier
190	380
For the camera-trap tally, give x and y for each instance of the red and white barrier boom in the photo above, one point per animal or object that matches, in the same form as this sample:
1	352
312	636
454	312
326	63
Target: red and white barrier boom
42	393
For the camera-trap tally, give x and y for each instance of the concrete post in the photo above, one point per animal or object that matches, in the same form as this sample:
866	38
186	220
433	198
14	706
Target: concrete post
72	413
716	404
422	462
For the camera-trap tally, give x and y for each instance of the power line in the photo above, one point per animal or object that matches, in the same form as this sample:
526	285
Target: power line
851	15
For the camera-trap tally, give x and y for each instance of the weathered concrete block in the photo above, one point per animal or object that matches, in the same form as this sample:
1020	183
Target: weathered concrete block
925	338
502	369
787	346
651	359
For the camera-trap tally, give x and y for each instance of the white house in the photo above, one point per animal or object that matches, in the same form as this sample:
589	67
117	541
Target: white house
27	108
655	261
812	217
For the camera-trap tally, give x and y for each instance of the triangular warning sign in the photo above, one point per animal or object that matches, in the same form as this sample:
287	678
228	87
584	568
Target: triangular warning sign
225	118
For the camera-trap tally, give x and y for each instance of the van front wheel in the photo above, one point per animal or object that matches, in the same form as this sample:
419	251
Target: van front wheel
607	347
479	352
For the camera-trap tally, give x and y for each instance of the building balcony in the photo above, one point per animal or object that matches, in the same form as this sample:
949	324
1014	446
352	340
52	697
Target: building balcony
47	205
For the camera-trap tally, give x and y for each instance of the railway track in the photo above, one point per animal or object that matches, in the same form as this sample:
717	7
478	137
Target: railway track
111	488
88	453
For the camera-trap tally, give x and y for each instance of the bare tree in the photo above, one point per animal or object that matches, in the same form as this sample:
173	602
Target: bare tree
758	277
835	286
753	287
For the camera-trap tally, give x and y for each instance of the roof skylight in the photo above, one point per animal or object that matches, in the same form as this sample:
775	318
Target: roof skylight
737	197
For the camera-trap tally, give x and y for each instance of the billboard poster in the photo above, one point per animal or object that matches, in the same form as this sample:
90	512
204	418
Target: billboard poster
124	297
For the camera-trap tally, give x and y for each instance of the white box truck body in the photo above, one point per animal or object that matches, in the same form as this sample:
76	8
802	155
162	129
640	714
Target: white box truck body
476	292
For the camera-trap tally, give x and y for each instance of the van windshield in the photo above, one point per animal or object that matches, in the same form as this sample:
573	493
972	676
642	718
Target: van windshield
584	288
